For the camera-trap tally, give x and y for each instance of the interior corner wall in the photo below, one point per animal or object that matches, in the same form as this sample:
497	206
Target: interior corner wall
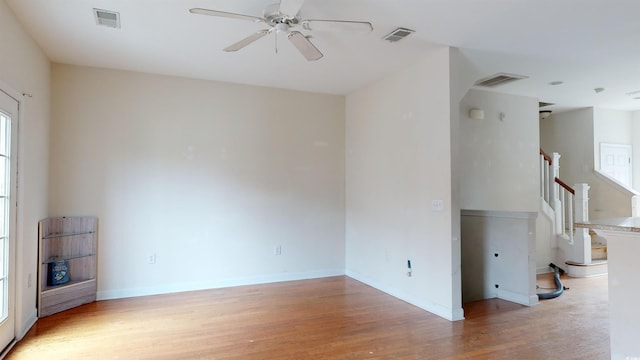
499	155
398	161
211	179
25	68
462	76
571	134
499	195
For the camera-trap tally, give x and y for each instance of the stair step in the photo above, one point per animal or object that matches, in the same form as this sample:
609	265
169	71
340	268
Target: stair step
598	251
596	268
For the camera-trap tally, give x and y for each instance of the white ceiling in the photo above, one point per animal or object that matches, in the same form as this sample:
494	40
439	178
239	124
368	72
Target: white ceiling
585	43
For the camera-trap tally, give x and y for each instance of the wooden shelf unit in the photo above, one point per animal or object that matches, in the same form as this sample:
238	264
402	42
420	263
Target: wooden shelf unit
74	239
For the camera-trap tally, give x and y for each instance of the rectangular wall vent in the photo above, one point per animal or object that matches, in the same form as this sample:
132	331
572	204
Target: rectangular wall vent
398	34
499	79
107	18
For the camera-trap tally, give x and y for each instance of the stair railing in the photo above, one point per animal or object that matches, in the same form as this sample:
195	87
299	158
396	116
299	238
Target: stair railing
566	210
545	169
549	171
569	204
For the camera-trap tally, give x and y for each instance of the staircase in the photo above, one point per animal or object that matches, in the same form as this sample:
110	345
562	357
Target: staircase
598	265
598	249
581	253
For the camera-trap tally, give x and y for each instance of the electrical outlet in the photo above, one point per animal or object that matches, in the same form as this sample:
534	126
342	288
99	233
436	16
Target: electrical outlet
437	205
151	259
277	250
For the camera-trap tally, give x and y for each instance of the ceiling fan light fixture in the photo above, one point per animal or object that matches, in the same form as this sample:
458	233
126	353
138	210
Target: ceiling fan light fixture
282	27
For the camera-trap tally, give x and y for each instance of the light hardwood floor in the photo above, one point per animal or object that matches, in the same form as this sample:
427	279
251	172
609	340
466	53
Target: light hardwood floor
332	318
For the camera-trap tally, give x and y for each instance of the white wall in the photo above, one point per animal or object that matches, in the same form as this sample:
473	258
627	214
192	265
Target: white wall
611	127
546	241
398	161
24	68
571	134
208	176
499	158
635	142
499	163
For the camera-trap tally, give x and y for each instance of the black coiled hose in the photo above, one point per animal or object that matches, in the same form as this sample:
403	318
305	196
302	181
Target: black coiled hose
559	287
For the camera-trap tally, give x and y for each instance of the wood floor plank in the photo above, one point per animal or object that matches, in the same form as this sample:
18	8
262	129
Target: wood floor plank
331	318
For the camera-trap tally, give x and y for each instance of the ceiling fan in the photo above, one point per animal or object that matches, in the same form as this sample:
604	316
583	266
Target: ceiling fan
282	18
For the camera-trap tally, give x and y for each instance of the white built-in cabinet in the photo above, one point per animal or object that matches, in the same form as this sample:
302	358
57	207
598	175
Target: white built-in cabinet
67	258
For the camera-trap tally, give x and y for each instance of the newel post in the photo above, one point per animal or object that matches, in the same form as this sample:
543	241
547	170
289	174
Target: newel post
582	202
582	239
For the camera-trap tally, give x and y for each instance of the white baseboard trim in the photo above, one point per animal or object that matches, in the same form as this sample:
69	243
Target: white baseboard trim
543	270
527	300
27	324
598	268
7	349
437	309
215	284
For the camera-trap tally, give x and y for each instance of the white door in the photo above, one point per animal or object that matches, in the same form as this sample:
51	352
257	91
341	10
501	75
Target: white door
8	142
615	161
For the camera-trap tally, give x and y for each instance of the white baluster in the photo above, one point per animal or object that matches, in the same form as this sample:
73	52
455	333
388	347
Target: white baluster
561	211
555	202
543	184
570	216
547	183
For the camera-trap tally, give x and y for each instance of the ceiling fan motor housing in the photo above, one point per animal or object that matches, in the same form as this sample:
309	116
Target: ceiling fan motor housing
273	17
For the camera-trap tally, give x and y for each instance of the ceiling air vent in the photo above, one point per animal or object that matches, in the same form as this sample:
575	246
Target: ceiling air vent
398	34
499	79
107	18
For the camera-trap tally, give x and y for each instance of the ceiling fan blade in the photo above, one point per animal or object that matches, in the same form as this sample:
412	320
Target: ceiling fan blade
225	14
246	41
290	8
338	25
306	48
